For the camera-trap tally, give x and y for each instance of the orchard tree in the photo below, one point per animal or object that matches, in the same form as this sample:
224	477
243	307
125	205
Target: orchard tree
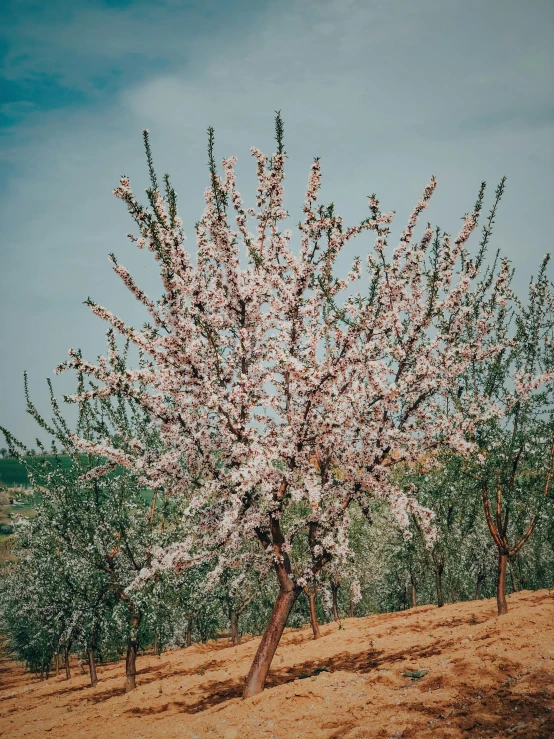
517	449
442	486
238	587
53	598
34	604
260	358
526	453
97	521
512	473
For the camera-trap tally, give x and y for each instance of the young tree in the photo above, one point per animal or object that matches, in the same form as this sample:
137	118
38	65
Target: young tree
442	486
520	484
96	519
311	596
34	603
518	449
238	591
256	369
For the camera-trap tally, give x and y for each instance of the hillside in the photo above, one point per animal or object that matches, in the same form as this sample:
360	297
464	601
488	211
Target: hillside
14	484
488	677
14	474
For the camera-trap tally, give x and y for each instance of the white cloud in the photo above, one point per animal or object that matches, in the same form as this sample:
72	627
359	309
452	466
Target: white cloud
386	93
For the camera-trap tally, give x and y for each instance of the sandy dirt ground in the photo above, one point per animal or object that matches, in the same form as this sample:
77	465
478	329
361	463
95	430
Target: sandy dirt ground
487	677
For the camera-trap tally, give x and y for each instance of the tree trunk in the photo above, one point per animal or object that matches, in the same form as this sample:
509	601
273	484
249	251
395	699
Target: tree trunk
438	581
501	584
92	667
480	579
351	609
414	593
156	645
57	663
335	590
67	665
514	584
270	640
235	636
313	614
189	632
131	661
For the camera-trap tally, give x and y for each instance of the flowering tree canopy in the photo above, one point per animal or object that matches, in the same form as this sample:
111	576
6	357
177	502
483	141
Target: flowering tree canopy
284	393
96	531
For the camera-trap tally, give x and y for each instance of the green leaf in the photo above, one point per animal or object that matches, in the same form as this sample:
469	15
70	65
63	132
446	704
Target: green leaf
416	674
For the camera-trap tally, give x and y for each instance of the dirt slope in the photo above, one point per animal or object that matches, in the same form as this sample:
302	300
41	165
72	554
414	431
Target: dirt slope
488	677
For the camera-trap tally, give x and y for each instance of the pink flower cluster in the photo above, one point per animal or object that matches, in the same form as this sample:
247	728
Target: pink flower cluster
281	397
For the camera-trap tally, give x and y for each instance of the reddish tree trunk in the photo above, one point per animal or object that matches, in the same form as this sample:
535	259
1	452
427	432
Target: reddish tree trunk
335	590
501	584
513	579
499	530
351	610
313	615
131	661
438	582
92	667
67	665
414	593
57	663
480	578
189	632
131	666
234	617
270	640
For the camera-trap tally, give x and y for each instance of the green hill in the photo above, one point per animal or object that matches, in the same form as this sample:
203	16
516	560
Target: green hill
13	473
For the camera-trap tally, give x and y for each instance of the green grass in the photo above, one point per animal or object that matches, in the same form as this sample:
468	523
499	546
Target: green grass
14	474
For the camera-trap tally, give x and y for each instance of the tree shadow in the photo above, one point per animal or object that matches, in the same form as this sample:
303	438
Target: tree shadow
494	713
219	692
99	697
206	667
362	662
154	668
214	693
73	689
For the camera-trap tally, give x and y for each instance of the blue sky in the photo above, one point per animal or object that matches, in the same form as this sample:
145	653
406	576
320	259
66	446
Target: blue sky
386	92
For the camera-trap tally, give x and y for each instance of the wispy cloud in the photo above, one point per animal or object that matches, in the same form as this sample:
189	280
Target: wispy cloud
387	93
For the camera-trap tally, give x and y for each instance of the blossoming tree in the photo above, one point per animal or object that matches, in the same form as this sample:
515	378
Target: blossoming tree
284	395
520	448
99	527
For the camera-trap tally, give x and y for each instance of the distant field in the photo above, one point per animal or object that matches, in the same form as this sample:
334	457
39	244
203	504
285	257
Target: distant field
13	474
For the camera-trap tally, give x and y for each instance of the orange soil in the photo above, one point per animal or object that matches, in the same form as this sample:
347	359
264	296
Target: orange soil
488	677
